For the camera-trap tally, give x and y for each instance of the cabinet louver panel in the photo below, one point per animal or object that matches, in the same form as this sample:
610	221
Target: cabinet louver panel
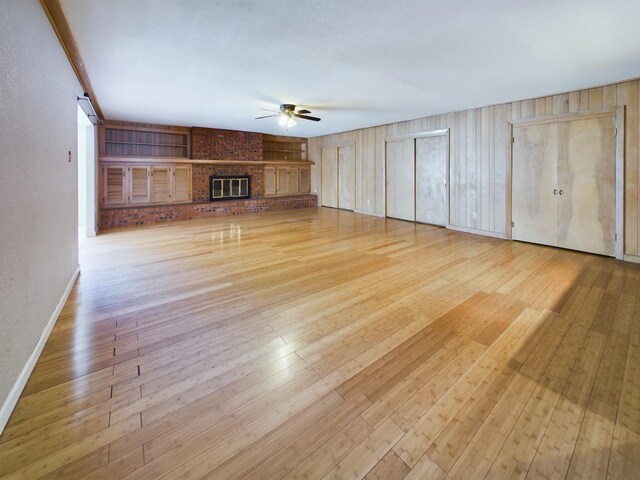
305	180
114	185
181	183
160	184
139	184
270	180
293	180
282	181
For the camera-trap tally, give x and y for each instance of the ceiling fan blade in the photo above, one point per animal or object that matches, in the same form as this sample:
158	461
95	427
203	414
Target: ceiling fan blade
267	110
307	117
303	111
267	116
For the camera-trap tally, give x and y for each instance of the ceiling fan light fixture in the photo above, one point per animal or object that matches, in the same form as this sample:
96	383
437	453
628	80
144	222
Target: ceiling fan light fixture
287	120
288	116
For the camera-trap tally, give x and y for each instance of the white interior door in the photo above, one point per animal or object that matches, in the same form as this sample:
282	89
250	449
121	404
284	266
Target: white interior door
431	180
586	185
346	177
400	170
329	167
534	181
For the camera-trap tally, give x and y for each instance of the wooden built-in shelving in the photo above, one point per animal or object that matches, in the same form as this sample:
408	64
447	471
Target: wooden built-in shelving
121	140
143	164
284	149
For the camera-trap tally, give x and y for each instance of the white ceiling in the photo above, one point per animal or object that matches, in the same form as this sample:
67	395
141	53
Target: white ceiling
355	63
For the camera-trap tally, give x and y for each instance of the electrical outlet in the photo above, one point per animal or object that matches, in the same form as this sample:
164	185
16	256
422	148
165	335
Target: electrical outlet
474	215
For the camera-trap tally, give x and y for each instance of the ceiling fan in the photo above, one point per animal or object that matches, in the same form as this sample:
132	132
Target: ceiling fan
289	115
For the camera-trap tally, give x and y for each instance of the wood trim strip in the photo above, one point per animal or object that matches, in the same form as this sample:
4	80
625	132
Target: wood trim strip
564	117
620	192
151	160
56	16
430	133
146	127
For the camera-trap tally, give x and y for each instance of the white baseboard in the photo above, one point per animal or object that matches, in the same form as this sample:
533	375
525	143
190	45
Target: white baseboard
14	394
632	258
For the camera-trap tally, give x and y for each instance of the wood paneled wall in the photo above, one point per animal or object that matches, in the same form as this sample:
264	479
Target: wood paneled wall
480	156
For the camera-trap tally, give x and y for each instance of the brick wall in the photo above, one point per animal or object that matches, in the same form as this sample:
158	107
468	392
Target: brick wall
120	217
218	144
201	173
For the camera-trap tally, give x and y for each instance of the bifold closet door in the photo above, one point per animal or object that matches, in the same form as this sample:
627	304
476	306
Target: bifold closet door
400	170
329	177
586	181
346	177
534	180
563	184
431	180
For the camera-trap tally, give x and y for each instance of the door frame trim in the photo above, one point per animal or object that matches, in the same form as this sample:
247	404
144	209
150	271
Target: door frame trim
618	115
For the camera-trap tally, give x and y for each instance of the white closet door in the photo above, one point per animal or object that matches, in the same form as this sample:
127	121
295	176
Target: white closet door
586	178
431	180
401	179
329	177
534	179
346	177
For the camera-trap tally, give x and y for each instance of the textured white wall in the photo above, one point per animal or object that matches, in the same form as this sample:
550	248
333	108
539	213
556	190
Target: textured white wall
38	186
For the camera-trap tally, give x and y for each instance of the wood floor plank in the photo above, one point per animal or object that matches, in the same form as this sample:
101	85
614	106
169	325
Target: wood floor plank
391	467
366	455
321	343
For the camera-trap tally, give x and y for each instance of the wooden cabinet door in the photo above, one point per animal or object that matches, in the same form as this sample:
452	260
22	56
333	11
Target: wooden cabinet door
534	181
181	183
305	179
160	184
139	180
282	183
329	168
586	180
294	181
401	182
431	180
270	181
114	190
346	177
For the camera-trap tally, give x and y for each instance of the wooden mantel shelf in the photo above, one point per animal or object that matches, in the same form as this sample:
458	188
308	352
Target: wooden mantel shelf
148	160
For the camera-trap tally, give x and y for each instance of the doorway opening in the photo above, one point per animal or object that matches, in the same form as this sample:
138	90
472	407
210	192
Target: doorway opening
86	178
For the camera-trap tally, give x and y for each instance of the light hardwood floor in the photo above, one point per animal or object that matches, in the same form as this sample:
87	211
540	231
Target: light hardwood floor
326	344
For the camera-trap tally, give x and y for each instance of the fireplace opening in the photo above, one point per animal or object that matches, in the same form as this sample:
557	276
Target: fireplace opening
229	187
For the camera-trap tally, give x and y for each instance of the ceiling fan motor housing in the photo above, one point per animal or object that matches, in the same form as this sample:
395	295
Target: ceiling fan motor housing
287	108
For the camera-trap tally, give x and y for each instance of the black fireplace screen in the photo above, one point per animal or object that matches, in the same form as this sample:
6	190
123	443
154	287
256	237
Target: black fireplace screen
229	187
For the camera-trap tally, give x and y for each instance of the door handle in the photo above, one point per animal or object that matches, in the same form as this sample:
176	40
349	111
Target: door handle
560	192
555	191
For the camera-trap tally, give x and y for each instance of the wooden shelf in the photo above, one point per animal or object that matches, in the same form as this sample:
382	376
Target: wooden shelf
149	144
201	162
281	150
